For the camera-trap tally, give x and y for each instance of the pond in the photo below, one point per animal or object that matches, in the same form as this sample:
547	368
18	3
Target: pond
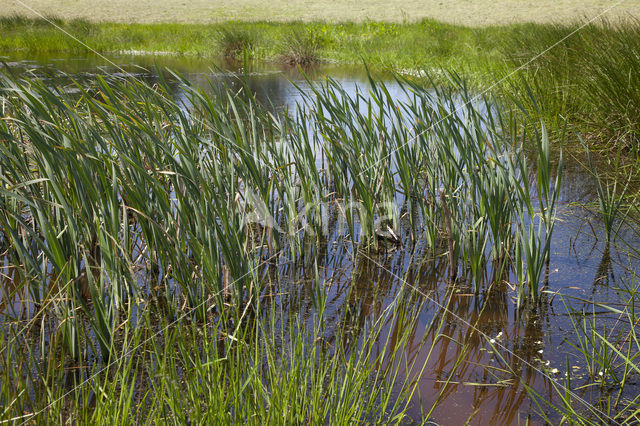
509	351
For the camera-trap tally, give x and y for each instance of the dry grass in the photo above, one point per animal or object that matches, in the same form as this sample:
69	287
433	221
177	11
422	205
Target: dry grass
467	12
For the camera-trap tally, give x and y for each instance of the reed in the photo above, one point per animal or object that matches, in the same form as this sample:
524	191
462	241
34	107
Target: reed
579	81
270	367
121	207
610	197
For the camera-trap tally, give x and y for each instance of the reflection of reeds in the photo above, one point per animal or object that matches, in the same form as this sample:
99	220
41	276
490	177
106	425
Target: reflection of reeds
121	178
610	197
179	198
451	245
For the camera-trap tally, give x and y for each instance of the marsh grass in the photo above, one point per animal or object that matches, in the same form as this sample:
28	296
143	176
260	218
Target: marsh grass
127	216
300	48
604	364
268	368
236	43
380	44
587	80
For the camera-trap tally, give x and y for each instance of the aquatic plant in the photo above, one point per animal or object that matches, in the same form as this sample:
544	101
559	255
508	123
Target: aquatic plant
603	365
579	80
121	206
610	198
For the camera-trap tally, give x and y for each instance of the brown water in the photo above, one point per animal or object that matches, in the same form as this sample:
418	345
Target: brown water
486	385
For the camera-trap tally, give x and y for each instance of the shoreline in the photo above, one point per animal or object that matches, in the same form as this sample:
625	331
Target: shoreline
578	73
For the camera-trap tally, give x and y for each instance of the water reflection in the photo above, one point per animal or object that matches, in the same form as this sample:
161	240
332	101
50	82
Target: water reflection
465	378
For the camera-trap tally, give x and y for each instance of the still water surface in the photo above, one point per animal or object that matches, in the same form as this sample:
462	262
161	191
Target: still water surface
532	343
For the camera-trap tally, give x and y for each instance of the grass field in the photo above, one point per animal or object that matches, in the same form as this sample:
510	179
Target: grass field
465	12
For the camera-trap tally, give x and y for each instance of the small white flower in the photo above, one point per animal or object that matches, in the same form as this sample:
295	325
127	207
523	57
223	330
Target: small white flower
555	371
540	351
492	340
